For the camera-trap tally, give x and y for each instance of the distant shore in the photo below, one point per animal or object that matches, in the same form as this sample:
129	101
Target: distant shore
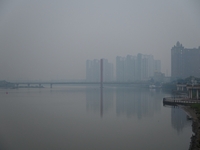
195	142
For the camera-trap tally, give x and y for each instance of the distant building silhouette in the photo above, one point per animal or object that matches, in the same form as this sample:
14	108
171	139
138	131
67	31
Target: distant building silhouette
120	63
132	68
184	61
157	66
93	71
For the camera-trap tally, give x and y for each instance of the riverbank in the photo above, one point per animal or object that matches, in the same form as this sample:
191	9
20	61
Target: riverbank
195	139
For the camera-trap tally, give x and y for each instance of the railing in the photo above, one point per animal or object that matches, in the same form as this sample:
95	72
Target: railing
172	100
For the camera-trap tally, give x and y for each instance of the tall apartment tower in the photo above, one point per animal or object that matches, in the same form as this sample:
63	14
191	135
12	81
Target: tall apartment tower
177	60
120	68
125	68
145	66
130	68
157	66
184	61
108	71
136	68
93	70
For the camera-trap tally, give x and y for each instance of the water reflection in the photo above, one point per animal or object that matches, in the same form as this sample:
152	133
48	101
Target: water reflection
129	101
137	102
179	119
99	100
58	116
101	96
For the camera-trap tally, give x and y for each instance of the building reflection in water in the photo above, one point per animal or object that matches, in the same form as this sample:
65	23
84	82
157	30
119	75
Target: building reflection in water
179	118
137	102
99	100
131	102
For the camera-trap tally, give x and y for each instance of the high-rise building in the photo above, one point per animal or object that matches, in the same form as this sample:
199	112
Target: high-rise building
184	61
125	68
139	67
108	71
93	71
145	66
157	66
120	68
132	68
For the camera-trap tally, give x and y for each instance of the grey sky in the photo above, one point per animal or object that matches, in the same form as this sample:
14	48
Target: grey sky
44	40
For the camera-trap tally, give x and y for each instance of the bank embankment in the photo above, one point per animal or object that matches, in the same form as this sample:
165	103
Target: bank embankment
194	112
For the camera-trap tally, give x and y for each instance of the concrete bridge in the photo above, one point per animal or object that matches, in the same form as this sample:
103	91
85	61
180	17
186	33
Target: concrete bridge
40	84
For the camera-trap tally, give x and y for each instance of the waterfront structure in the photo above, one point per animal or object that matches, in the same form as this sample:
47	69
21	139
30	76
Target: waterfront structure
193	91
93	70
184	61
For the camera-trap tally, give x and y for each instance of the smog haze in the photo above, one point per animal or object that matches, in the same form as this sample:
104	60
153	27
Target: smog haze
51	40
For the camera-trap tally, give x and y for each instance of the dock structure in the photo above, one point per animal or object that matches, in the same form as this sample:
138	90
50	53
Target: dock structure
179	101
192	90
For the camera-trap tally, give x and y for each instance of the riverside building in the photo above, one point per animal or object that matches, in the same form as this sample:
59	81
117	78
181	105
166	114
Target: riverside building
93	71
136	68
184	61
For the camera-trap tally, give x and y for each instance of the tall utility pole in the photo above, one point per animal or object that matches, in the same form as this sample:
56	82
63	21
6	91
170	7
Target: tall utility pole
101	88
101	70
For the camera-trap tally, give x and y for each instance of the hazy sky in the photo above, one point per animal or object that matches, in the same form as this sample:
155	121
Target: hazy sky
45	40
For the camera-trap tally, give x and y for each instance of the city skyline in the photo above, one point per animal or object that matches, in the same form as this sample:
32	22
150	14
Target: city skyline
42	40
125	69
139	67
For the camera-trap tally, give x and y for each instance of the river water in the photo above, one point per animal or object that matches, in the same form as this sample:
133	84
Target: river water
88	118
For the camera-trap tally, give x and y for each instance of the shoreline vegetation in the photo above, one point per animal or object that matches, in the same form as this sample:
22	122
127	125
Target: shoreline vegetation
194	111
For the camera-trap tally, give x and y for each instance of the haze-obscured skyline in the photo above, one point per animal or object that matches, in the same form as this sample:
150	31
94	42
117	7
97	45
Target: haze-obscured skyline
48	40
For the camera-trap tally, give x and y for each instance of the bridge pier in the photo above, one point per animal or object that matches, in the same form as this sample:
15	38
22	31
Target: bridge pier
51	85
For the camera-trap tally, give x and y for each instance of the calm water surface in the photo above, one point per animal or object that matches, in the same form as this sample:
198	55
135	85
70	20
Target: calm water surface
86	118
